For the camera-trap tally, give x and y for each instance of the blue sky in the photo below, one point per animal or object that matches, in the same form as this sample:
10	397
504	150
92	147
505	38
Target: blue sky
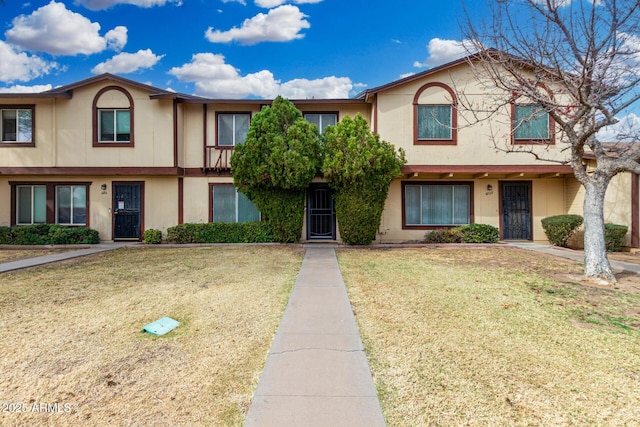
229	48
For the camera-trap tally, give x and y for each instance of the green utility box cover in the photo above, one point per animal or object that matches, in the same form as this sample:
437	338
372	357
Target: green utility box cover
161	326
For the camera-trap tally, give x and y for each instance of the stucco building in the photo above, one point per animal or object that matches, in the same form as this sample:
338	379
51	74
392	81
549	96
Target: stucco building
121	157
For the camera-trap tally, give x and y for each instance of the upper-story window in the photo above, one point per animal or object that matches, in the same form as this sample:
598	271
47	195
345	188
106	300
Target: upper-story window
113	118
435	115
16	125
232	128
531	124
322	120
114	125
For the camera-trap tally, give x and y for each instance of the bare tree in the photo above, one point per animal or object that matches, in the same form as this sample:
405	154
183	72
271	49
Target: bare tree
579	61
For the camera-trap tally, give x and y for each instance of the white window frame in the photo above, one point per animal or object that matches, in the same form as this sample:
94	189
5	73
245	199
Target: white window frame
71	207
18	135
115	139
32	204
234	116
321	125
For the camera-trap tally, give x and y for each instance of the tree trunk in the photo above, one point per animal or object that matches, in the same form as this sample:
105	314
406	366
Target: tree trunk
596	263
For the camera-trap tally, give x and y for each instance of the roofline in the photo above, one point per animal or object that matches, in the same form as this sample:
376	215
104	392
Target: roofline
67	90
368	92
198	100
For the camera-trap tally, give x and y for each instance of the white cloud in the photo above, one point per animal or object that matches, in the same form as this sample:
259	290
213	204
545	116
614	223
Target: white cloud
268	4
56	30
328	87
627	129
281	24
128	62
19	66
106	4
213	77
443	51
242	2
116	38
25	89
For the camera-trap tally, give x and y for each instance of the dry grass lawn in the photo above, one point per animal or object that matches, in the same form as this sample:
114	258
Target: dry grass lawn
71	335
495	337
8	255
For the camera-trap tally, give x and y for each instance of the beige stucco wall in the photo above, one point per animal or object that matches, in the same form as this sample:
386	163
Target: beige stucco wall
64	132
477	140
160	200
547	199
617	205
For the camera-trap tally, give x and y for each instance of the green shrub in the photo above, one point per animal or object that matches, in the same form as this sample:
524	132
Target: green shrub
47	234
559	228
72	235
358	212
444	235
359	167
479	233
152	237
613	236
220	232
6	236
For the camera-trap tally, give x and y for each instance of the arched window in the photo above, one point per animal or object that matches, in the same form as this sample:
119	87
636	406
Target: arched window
531	123
435	112
113	118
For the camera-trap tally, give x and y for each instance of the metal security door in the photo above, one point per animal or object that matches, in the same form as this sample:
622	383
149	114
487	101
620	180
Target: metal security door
516	210
321	218
127	203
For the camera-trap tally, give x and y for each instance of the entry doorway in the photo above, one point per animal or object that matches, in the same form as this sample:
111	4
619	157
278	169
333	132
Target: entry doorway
321	216
516	218
128	210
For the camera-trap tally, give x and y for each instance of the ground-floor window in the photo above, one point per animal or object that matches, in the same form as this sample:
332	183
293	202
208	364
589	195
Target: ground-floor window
71	204
437	204
230	205
50	203
31	204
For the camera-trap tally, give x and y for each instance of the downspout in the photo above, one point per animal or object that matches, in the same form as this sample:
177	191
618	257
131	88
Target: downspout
204	135
635	210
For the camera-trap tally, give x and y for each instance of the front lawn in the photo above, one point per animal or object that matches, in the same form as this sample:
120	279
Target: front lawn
71	335
495	337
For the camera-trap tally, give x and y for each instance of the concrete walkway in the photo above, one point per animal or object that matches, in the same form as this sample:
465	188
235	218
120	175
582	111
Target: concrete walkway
316	372
576	255
47	259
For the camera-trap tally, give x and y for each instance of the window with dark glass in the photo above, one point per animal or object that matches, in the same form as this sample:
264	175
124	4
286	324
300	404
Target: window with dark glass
322	120
114	125
230	205
530	122
31	204
440	204
434	122
232	128
71	204
16	125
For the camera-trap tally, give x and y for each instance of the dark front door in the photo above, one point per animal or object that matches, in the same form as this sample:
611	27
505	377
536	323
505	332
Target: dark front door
127	211
321	218
516	210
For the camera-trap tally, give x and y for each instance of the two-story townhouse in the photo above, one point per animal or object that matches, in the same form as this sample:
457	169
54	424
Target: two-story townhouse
464	169
120	156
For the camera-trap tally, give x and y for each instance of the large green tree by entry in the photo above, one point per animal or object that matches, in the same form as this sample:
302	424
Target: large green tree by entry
273	168
360	167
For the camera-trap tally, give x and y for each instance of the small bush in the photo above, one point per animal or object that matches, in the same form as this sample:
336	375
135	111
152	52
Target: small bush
47	234
559	228
72	235
152	237
613	236
479	233
220	232
444	235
